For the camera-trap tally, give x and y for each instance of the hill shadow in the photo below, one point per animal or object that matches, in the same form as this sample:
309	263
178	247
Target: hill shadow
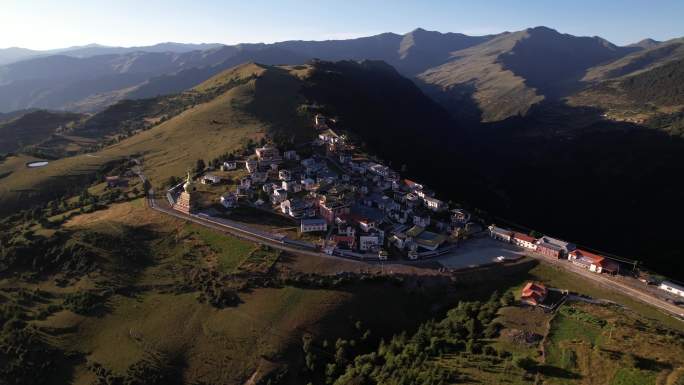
572	174
545	56
457	99
554	371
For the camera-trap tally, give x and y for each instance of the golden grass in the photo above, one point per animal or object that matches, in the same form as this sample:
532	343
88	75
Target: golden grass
217	345
498	92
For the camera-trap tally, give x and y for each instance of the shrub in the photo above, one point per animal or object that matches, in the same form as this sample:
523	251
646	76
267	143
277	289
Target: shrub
525	363
83	302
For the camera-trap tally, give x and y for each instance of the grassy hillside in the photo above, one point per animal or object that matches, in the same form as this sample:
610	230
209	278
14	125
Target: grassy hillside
508	74
32	128
661	86
238	105
652	97
123	298
125	294
650	57
501	341
476	73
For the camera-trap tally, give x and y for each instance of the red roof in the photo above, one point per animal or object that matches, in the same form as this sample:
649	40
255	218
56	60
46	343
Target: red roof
534	293
595	258
349	240
524	237
411	183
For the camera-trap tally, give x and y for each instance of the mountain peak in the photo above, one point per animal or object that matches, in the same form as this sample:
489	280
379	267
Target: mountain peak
645	43
543	29
423	32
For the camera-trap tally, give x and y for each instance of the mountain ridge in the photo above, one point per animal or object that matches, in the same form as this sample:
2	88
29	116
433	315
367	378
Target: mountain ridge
10	55
488	77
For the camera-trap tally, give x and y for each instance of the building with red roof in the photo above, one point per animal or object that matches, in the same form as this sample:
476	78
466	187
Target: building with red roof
345	240
533	293
594	262
524	240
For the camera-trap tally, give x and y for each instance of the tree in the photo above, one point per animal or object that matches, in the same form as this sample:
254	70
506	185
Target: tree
172	181
366	335
525	363
310	361
508	299
492	330
200	166
331	372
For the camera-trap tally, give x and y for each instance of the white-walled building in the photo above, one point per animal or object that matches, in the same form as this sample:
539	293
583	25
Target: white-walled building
672	288
279	195
259	177
434	204
291	185
229	165
246	182
524	240
267	153
251	165
284	175
421	220
229	200
368	242
211	179
291	155
311	225
500	234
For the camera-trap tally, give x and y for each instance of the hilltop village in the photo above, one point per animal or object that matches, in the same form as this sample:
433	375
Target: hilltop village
347	203
351	204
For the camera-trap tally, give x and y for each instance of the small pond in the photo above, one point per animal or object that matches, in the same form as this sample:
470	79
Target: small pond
38	163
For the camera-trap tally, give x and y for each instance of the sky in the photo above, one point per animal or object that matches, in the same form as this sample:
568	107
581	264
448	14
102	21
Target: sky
43	24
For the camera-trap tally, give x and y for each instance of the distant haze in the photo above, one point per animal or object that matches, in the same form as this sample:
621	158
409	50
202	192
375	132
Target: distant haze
43	24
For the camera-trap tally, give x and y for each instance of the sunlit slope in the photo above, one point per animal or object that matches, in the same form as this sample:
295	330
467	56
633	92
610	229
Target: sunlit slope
203	132
258	100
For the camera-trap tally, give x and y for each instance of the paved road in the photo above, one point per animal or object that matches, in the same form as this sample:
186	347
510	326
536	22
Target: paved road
248	233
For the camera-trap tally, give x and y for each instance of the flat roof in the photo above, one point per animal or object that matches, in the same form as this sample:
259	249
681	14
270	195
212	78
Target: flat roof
673	285
314	221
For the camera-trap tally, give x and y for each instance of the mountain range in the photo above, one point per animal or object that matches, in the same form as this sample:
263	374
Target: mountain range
15	54
489	77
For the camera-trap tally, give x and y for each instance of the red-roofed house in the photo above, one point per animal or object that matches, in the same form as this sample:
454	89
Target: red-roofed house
348	241
533	293
593	262
412	186
524	240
